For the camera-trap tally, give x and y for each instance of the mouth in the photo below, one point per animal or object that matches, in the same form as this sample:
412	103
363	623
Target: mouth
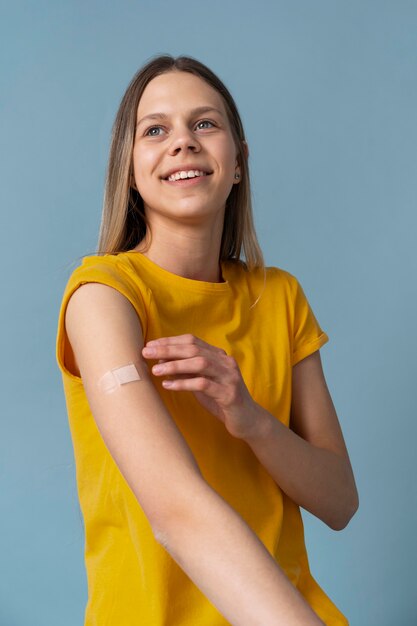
187	178
186	174
187	182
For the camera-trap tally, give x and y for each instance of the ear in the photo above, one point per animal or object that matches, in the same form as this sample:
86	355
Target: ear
246	153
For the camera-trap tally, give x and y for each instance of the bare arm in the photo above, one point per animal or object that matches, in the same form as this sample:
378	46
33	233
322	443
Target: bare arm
206	537
310	461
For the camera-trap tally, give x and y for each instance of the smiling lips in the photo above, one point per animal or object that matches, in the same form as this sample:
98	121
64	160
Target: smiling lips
186	178
181	174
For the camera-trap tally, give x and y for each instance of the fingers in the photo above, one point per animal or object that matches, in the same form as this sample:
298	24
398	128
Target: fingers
206	370
198	383
168	348
195	365
184	355
167	351
188	338
183	340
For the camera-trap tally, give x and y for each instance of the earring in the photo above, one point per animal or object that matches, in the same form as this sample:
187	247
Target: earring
237	175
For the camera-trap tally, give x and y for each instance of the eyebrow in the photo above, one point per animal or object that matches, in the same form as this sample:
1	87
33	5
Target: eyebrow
164	116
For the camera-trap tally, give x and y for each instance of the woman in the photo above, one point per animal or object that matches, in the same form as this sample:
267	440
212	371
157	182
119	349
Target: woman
182	367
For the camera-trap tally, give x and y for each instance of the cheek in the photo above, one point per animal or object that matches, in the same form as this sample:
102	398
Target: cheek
143	163
228	151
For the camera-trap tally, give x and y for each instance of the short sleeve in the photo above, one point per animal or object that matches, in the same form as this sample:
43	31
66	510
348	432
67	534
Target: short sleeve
107	270
307	333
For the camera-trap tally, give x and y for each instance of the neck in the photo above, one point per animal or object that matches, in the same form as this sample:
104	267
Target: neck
187	251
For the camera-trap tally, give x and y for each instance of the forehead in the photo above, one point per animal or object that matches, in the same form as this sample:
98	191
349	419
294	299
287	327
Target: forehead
178	90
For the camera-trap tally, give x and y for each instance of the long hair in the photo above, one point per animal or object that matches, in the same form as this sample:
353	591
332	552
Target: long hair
123	222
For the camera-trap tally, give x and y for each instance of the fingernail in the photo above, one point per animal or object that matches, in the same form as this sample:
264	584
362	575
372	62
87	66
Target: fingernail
149	351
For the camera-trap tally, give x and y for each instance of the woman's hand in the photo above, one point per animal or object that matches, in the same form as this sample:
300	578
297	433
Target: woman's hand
207	371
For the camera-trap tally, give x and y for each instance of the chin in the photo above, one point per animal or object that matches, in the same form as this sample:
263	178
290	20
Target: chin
185	209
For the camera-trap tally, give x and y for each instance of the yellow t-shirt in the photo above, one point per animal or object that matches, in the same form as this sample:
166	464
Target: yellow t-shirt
132	580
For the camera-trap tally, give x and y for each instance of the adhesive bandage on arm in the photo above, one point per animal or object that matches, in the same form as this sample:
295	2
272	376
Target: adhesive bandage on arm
115	378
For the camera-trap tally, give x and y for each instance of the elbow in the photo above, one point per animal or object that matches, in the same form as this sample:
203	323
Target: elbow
347	502
345	513
165	530
175	514
161	536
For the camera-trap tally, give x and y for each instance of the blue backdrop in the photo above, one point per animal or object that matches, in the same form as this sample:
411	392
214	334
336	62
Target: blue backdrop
328	94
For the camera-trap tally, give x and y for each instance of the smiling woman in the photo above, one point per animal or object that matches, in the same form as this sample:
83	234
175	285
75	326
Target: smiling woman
200	417
184	206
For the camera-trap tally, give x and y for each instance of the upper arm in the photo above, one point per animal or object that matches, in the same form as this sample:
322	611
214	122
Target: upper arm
313	415
104	332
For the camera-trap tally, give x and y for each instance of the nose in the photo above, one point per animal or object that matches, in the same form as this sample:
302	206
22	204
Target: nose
183	139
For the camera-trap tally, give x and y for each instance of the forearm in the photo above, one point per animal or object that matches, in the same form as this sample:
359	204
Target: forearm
231	566
317	479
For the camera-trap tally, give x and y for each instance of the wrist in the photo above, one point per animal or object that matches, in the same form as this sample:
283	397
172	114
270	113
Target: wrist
261	424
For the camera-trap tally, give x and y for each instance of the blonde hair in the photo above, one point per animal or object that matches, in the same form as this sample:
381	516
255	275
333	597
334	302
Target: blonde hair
123	223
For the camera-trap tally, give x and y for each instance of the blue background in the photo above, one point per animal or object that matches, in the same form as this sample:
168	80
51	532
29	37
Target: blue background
328	95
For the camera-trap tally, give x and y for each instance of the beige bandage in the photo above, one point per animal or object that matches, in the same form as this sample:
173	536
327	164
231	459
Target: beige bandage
117	377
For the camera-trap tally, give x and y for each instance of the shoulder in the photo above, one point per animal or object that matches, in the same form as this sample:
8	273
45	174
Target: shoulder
272	273
281	277
116	266
109	270
114	270
267	286
275	280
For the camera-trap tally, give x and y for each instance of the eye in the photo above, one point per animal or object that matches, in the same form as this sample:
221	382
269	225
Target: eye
149	132
204	122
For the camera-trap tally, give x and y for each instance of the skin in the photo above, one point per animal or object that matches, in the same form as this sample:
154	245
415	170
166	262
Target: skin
206	536
309	462
186	224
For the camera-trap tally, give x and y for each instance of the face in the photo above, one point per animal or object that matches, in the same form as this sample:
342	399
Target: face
182	128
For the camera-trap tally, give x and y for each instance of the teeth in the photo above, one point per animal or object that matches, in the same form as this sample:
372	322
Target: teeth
186	174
